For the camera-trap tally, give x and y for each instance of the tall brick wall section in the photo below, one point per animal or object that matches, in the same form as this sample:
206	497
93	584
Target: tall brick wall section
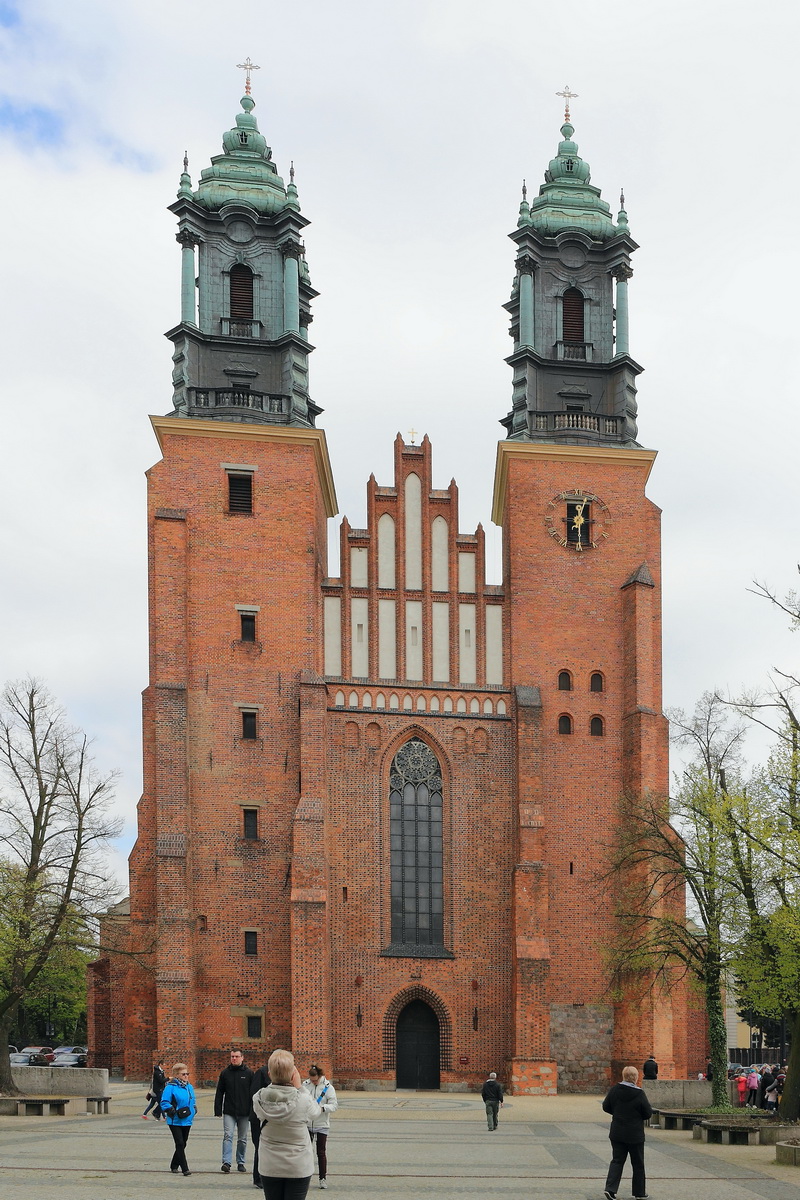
571	611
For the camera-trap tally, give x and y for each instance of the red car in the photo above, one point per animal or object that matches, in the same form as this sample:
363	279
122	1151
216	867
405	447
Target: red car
45	1051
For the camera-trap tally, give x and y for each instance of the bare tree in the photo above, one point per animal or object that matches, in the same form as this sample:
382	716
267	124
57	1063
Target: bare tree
54	829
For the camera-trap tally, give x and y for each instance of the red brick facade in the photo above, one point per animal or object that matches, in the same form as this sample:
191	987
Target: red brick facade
415	646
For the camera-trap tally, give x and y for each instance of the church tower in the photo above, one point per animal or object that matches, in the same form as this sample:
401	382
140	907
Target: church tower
582	575
237	518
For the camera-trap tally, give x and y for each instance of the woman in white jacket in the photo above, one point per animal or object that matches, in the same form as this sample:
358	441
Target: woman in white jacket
285	1154
323	1091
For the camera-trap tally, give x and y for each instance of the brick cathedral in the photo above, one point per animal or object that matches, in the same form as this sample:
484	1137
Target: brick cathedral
376	805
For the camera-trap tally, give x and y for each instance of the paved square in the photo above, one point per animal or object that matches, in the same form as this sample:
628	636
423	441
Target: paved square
398	1145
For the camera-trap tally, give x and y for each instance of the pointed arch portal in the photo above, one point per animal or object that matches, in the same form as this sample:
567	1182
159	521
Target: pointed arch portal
418	1047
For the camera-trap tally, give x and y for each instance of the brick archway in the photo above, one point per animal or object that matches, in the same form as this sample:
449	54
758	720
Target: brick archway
416	992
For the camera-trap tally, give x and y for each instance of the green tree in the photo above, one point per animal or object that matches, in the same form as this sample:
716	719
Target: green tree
54	829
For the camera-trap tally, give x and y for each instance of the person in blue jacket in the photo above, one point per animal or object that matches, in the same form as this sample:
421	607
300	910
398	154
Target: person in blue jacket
179	1107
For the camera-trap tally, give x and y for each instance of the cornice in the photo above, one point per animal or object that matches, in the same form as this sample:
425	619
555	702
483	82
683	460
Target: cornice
637	458
289	435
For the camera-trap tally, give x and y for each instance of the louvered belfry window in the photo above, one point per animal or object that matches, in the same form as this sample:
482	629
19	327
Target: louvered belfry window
241	293
573	315
240	493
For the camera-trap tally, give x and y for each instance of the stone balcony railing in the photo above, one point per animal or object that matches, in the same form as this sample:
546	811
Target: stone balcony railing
574	351
238	398
555	421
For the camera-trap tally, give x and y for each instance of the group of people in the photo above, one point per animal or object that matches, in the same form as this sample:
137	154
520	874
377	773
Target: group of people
286	1116
762	1086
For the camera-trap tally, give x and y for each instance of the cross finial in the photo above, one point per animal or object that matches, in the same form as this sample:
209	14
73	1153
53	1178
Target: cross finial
291	171
622	199
567	95
412	433
186	160
524	190
248	67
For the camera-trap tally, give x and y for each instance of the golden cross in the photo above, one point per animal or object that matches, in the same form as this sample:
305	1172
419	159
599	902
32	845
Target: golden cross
412	433
567	95
248	67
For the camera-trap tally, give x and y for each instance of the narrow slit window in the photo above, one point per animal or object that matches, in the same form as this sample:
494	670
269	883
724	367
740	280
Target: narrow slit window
564	681
596	727
241	293
240	493
249	725
573	315
250	824
250	942
254	1027
248	623
564	723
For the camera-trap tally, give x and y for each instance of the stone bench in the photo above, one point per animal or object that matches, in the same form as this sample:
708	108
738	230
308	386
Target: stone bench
97	1105
738	1133
665	1119
41	1106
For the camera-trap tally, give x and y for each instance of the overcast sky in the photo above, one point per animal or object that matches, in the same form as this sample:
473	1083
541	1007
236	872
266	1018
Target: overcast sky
411	126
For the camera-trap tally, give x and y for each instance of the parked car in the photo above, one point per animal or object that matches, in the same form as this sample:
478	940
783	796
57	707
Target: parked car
13	1050
47	1051
70	1050
20	1060
66	1059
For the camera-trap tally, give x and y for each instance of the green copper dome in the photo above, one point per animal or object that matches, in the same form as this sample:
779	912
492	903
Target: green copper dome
567	200
245	171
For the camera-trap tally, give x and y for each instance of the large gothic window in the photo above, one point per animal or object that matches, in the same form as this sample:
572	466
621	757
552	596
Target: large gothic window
415	813
573	315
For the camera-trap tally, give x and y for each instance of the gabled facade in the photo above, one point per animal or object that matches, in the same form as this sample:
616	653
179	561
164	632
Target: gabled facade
377	805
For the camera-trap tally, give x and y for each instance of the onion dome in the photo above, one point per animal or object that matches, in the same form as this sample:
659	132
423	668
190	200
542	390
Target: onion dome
567	199
245	171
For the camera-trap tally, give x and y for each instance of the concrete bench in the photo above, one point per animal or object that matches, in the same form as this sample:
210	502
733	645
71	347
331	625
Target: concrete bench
732	1135
675	1120
98	1105
41	1106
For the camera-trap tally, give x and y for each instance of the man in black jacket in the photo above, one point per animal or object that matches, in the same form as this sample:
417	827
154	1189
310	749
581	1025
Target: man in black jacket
232	1103
492	1097
629	1109
650	1068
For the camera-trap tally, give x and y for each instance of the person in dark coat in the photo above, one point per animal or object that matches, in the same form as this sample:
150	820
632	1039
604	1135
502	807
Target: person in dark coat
156	1088
232	1103
650	1069
492	1097
629	1109
259	1079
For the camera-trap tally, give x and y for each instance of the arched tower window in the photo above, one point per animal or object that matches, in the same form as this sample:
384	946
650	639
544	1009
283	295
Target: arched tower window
596	682
415	814
596	728
564	681
573	315
241	293
565	723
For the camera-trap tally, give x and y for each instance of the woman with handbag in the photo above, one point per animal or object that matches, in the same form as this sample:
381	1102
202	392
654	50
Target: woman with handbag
179	1107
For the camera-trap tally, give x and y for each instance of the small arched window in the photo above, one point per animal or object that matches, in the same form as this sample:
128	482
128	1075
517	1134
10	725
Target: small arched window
573	315
241	293
596	727
596	682
564	681
565	723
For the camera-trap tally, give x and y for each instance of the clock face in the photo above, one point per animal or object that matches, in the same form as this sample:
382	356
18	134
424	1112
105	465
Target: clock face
578	520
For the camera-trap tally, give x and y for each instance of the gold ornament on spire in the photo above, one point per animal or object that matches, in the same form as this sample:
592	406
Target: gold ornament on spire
567	95
412	433
248	67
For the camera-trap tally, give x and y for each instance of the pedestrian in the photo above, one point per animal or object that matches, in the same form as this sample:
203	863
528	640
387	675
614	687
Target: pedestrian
650	1068
709	1070
771	1096
285	1152
492	1097
629	1109
232	1103
258	1080
180	1107
741	1085
753	1078
157	1086
767	1080
323	1091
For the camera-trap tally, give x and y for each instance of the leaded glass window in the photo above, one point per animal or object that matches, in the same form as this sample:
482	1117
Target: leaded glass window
415	814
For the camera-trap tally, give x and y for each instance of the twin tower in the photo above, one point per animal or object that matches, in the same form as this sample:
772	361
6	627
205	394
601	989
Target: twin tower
377	807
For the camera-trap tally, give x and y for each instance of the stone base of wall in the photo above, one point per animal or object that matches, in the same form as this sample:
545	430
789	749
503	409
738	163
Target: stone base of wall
581	1041
61	1081
531	1077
